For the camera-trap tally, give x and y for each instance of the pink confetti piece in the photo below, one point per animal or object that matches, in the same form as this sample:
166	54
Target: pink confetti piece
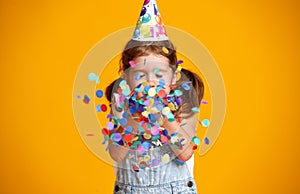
132	63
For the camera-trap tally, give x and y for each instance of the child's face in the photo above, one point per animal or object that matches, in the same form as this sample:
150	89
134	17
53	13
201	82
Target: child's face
151	68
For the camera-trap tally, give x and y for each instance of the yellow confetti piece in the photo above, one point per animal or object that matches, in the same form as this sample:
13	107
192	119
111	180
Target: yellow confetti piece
165	50
145	113
178	76
151	92
135	138
172	106
147	136
147	158
166	110
165	158
179	67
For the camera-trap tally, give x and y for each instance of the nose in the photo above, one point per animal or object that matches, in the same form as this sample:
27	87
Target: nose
152	83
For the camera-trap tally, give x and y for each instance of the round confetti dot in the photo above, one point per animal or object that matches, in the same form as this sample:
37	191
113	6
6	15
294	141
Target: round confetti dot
126	91
154	130
205	122
128	129
196	109
103	108
165	50
99	93
161	93
177	92
123	121
147	136
123	83
165	158
98	108
166	110
151	92
196	140
128	137
109	126
117	137
161	82
146	145
155	162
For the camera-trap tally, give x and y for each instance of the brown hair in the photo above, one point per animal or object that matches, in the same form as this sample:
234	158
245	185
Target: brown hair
135	49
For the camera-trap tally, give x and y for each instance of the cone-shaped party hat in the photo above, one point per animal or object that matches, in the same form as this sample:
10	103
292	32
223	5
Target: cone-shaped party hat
150	26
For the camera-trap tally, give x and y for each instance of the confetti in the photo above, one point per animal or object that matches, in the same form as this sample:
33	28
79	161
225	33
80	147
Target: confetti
178	92
156	71
179	62
206	140
90	134
116	137
99	93
196	140
93	77
205	123
98	108
196	109
151	92
165	158
137	77
103	108
165	50
204	102
86	99
132	63
109	125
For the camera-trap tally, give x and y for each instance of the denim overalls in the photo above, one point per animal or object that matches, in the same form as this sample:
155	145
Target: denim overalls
166	178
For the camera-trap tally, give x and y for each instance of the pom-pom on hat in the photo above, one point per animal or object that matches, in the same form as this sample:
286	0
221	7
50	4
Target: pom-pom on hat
150	26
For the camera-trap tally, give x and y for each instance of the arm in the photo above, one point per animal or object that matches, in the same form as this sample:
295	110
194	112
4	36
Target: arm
187	131
120	152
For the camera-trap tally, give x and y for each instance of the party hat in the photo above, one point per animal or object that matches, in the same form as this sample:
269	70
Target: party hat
150	26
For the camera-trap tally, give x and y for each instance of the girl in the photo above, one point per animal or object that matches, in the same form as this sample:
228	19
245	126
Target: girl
142	59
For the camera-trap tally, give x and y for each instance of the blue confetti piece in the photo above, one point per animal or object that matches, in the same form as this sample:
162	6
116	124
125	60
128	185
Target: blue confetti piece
196	109
137	77
196	140
123	121
186	86
156	71
204	102
98	108
206	141
177	92
125	114
162	82
179	62
99	93
205	123
128	130
78	96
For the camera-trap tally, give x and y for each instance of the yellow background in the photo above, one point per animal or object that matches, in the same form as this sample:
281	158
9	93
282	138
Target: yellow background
255	43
